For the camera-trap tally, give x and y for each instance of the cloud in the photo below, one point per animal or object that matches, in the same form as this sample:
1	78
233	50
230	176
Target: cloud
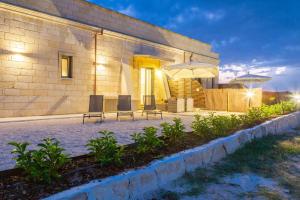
280	70
214	15
129	10
258	67
195	13
224	43
292	47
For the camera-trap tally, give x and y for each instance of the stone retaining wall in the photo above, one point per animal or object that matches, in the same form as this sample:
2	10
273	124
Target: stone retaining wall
138	184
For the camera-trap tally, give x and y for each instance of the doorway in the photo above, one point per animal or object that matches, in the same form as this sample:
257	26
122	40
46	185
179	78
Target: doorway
146	82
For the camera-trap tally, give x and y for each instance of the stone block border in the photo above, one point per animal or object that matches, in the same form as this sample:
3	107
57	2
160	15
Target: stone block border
139	183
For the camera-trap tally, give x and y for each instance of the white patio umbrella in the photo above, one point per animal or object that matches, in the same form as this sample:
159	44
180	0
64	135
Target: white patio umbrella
250	79
191	70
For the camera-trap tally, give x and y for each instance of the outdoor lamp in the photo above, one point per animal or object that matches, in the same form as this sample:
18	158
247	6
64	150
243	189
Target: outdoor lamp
249	94
296	98
159	73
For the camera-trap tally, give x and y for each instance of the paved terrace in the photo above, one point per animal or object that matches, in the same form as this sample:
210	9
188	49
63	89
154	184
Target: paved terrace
72	134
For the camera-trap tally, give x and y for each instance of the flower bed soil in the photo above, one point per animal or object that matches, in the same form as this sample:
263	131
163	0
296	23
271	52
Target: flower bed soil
82	169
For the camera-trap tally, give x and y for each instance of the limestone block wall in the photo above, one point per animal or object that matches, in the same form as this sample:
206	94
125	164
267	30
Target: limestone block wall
30	44
30	82
83	11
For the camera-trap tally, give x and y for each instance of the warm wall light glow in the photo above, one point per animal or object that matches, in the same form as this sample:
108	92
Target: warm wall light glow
159	73
101	60
100	68
17	58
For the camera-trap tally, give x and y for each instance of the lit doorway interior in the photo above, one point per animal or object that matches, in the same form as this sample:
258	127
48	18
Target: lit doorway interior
146	82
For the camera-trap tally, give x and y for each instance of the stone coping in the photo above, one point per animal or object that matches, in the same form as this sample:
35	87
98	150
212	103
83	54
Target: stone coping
139	183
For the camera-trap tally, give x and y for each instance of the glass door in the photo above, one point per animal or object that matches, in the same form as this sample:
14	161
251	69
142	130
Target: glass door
146	82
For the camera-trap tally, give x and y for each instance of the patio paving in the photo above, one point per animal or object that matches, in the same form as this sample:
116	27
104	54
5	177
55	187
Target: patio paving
72	134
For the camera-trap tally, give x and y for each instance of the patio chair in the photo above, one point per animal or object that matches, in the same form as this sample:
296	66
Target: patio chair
150	106
95	107
124	106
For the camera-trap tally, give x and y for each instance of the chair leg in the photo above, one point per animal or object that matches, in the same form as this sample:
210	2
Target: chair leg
117	116
132	117
147	116
161	117
83	119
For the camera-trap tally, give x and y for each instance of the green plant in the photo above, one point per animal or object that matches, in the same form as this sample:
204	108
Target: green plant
42	164
288	106
147	141
221	125
235	121
253	116
173	132
215	126
202	127
106	149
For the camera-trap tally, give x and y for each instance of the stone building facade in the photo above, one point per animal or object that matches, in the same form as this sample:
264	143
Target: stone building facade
108	50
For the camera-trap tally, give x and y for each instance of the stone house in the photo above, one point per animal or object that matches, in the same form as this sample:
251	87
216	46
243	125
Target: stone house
55	53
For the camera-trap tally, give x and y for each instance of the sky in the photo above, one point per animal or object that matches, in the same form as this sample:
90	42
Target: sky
257	36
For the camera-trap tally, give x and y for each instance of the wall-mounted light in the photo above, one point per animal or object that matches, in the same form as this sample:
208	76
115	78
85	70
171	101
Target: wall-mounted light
18	58
100	68
158	73
101	60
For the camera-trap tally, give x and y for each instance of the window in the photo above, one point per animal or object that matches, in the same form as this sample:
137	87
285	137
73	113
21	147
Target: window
66	63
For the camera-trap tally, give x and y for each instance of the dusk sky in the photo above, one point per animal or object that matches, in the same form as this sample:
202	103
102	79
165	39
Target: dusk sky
260	36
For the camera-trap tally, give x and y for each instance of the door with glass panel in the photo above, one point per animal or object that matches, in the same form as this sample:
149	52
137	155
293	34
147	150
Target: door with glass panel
146	82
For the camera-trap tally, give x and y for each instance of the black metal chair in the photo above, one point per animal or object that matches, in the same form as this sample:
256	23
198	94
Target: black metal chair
124	106
150	106
95	107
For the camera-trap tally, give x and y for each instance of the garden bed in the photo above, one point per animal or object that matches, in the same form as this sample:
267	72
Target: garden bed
82	169
14	183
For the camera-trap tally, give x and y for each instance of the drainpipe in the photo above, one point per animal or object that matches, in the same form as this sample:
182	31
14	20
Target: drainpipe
96	61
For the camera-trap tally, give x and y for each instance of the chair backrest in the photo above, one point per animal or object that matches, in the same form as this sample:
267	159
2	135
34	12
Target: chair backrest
124	103
149	102
96	103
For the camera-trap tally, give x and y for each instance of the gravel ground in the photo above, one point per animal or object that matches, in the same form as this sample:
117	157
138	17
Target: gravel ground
73	135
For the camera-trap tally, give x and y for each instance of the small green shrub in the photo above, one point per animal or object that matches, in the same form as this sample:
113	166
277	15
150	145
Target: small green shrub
288	106
147	141
173	132
253	116
221	125
215	126
235	122
202	127
106	149
41	165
